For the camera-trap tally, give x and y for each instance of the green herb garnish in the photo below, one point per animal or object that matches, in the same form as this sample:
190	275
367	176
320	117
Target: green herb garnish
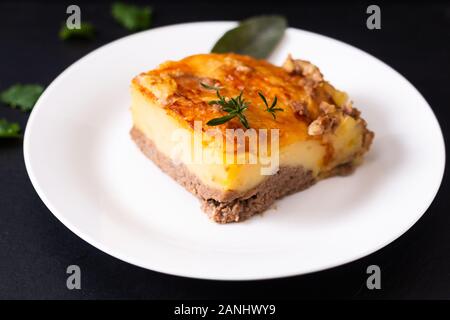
272	108
22	96
9	129
256	36
132	17
234	106
86	31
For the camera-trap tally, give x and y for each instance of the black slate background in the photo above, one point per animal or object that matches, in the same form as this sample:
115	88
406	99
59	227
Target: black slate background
35	248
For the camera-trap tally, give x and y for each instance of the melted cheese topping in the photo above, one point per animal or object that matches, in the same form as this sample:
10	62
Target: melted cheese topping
171	98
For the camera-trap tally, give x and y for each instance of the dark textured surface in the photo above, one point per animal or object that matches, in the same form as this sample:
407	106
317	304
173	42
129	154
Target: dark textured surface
35	248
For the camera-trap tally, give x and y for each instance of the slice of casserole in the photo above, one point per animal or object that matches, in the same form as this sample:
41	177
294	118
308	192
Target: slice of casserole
314	133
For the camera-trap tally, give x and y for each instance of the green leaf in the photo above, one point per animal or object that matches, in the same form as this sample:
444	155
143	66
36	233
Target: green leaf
243	120
207	86
221	120
263	99
273	115
86	31
234	106
132	17
274	103
22	96
9	129
256	37
228	109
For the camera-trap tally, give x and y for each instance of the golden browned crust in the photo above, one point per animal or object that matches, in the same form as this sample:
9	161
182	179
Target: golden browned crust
313	108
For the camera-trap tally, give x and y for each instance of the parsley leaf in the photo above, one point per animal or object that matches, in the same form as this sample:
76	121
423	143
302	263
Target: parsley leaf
22	96
86	31
9	129
132	17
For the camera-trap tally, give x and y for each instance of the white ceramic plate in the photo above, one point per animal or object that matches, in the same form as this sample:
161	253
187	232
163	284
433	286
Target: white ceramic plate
88	172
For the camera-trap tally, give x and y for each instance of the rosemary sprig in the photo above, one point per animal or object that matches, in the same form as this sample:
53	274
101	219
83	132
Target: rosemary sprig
272	108
234	106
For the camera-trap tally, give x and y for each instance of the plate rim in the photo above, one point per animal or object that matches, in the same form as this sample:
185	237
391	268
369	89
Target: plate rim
273	275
